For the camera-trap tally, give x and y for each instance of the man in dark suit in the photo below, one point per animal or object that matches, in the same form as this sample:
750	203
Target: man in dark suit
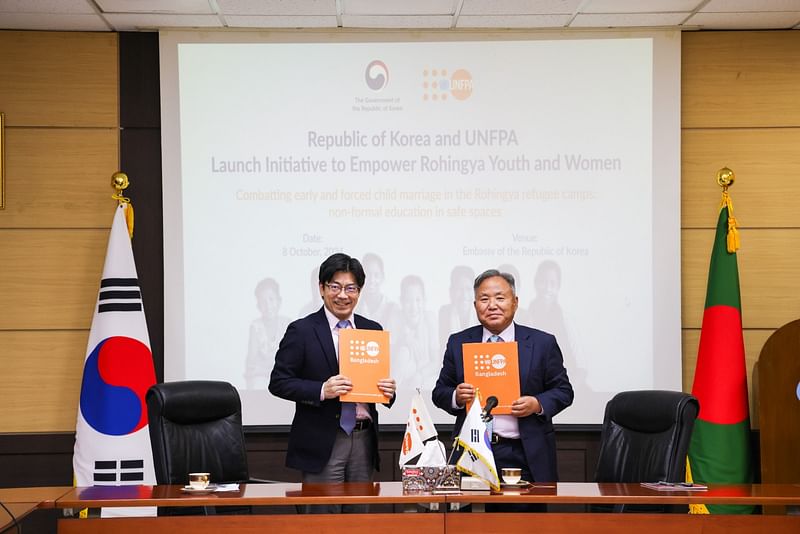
525	438
330	441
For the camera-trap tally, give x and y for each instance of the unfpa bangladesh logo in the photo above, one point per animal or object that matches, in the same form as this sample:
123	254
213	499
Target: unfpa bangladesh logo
364	348
441	84
377	75
498	361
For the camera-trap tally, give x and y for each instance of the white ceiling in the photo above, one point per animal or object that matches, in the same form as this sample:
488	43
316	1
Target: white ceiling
148	15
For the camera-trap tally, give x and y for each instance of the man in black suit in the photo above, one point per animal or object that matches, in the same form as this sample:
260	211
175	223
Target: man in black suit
525	438
330	441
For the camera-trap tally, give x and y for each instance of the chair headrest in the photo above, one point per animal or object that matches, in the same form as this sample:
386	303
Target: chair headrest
195	401
650	411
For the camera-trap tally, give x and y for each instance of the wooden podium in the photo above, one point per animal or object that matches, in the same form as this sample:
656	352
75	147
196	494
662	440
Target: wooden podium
779	406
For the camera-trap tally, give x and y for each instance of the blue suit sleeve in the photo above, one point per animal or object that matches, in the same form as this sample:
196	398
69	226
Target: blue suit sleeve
558	393
449	378
287	380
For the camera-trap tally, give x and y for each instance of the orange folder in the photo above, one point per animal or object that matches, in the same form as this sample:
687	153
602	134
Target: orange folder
493	368
364	358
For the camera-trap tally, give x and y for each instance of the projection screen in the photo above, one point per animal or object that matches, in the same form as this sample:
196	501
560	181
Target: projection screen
432	157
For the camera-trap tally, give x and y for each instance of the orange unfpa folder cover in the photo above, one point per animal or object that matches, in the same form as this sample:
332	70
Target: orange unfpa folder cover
364	358
494	369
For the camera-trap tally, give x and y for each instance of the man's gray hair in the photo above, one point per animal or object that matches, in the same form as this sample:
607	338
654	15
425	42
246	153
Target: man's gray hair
491	273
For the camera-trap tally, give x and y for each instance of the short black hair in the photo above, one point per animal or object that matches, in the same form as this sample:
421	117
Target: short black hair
491	273
341	263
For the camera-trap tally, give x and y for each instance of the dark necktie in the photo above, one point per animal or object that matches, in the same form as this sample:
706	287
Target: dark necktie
347	418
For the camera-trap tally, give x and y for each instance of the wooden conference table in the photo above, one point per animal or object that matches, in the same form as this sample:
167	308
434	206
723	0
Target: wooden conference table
392	493
23	501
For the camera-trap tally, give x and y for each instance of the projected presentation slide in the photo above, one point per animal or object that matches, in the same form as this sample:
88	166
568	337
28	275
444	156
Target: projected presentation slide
550	159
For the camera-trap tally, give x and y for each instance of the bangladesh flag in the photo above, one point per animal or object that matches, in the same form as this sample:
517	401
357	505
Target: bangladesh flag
719	451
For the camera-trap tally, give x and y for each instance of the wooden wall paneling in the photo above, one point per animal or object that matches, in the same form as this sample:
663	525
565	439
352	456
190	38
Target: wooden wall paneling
60	97
42	379
767	166
768	260
50	278
64	79
32	459
57	178
753	342
578	451
740	79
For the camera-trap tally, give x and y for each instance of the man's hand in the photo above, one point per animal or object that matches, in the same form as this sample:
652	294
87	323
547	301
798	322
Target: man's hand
387	387
525	406
336	386
464	393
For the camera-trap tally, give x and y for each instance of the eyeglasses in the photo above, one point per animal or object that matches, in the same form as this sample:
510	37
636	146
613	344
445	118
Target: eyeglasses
350	289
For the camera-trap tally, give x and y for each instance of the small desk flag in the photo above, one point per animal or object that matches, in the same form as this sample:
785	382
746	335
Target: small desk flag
477	459
420	437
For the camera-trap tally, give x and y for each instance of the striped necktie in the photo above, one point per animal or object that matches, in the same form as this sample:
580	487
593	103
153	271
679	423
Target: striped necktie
494	338
347	418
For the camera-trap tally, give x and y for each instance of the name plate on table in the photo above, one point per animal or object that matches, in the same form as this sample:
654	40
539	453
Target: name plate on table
421	478
364	358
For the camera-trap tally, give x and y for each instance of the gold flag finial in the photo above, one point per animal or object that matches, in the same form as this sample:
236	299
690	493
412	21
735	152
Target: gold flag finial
120	182
725	178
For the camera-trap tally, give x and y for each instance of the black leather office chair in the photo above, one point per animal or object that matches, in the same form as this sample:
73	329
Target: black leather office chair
645	438
196	426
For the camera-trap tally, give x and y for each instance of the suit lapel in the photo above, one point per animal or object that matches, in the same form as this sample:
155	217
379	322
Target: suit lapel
473	335
525	353
323	331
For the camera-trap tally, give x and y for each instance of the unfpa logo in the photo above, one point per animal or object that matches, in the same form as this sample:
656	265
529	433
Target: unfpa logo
440	84
364	348
377	75
498	361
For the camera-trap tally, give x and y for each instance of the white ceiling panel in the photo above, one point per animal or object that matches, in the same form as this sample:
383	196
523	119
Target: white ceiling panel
149	15
292	21
74	7
155	6
743	6
398	7
377	21
277	7
627	20
745	21
60	22
640	6
520	7
514	21
134	22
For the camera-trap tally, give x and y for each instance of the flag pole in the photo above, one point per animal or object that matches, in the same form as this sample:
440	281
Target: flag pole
719	449
112	440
